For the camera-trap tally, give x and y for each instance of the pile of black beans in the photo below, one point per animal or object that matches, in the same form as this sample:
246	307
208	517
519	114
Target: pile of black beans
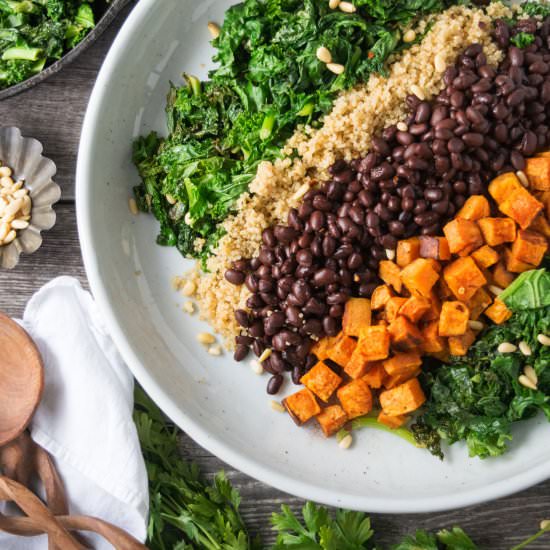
484	122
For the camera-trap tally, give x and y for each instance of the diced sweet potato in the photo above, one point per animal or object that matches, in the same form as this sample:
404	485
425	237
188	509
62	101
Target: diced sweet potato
321	347
544	197
380	297
321	380
497	230
454	319
522	207
462	235
475	208
331	419
442	289
302	406
408	250
529	247
459	345
434	247
435	308
374	343
357	316
403	399
357	366
431	341
503	186
375	376
485	256
398	379
390	273
544	154
341	350
419	277
414	308
403	363
538	173
478	303
498	312
404	335
355	398
514	265
464	278
541	225
393	306
392	422
501	276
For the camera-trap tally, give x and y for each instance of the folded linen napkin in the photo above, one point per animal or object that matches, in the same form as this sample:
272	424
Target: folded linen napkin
85	417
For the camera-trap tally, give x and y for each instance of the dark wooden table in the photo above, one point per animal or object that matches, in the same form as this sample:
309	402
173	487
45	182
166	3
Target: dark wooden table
53	112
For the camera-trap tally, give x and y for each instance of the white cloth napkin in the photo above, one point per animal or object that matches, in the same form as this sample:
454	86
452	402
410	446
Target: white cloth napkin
85	417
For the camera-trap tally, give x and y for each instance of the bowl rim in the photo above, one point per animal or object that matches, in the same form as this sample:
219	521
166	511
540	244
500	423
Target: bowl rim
106	19
210	441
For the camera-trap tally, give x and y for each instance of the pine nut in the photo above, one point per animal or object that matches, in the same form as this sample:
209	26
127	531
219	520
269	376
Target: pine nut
524	381
205	338
5	172
265	355
522	177
27	205
189	307
439	62
507	347
409	36
277	407
20	193
402	127
19	224
13	207
132	205
10	237
347	7
170	199
189	288
545	525
323	54
543	339
345	442
496	290
417	91
524	347
214	29
390	254
16	186
336	68
215	350
530	372
475	325
6	181
333	4
4	230
301	191
256	367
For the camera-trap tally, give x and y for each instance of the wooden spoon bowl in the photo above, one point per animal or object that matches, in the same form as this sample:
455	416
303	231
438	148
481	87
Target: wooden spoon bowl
21	379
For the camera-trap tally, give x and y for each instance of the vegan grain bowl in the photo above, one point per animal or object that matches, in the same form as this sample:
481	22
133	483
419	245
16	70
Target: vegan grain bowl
366	189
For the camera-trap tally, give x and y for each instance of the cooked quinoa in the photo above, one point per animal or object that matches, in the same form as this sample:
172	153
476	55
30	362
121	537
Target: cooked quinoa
357	115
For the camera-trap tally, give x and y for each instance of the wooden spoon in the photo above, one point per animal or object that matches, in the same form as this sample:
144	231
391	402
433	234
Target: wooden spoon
21	379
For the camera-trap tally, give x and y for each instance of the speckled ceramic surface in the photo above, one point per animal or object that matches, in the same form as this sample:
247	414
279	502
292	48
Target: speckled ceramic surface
24	157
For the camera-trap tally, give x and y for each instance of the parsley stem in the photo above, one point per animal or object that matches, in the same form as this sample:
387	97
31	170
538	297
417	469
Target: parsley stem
528	541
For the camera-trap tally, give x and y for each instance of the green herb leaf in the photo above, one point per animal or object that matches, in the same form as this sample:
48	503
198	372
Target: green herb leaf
529	291
523	39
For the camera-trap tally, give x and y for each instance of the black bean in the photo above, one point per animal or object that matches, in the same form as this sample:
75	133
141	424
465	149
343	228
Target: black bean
426	218
529	143
274	384
516	57
320	202
330	326
241	316
235	277
515	97
345	176
241	352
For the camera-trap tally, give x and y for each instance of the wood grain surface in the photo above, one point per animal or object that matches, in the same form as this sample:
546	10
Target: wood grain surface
52	112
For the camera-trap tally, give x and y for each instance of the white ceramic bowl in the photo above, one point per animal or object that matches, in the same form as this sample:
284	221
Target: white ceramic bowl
222	404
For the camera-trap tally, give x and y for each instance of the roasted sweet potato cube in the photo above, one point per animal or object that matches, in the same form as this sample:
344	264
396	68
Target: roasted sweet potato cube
357	316
431	341
544	197
498	312
392	422
434	247
403	363
414	308
435	308
503	186
501	276
302	406
398	379
380	297
541	225
341	350
485	256
459	345
497	230
374	343
403	399
522	207
375	376
454	319
331	419
390	273
321	347
538	173
357	366
408	250
464	278
419	277
478	303
529	247
355	398
475	208
442	289
404	335
544	154
393	306
321	380
514	265
462	235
